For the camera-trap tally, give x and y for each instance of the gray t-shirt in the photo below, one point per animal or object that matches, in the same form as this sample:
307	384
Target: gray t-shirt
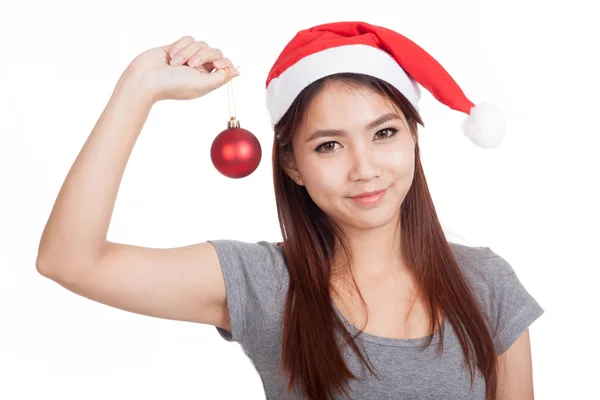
256	281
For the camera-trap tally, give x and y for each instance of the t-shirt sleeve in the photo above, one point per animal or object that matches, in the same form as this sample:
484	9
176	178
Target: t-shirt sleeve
253	274
511	308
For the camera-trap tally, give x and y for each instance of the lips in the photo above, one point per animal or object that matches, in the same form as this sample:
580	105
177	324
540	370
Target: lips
367	194
371	198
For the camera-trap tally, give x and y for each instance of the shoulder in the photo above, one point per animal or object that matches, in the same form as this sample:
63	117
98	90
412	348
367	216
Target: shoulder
256	279
259	261
487	274
250	251
507	305
481	264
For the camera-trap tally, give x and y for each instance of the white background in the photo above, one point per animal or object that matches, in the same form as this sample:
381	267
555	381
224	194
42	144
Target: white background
534	200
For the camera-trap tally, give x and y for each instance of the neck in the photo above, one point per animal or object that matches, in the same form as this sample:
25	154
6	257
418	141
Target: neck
376	252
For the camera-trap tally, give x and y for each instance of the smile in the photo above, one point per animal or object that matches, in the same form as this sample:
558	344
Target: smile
370	199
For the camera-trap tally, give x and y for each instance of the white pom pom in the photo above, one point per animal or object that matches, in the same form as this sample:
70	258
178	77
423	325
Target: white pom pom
485	125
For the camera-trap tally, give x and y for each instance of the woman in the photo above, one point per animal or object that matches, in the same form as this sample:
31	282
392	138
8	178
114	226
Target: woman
364	283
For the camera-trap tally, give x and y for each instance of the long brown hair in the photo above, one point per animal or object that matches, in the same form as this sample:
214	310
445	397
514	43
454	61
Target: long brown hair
311	356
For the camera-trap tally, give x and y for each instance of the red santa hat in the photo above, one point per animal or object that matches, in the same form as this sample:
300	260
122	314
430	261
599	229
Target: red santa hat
360	47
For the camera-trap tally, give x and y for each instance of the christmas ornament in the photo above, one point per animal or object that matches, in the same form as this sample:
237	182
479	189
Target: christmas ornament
363	48
235	152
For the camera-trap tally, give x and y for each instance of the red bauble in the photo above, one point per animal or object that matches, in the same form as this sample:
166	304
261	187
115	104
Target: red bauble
235	152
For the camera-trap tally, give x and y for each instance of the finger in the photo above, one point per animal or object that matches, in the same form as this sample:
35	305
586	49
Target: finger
205	55
222	76
209	67
174	47
222	63
184	54
218	64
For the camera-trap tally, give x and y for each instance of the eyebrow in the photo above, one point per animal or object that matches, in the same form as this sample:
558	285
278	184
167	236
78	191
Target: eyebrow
338	132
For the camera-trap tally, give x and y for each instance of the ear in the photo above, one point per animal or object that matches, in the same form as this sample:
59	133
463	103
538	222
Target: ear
288	163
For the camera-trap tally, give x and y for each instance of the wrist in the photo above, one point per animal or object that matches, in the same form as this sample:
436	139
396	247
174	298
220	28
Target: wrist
136	85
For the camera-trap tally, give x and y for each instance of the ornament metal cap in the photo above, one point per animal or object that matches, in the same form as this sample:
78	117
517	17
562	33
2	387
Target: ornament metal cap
233	123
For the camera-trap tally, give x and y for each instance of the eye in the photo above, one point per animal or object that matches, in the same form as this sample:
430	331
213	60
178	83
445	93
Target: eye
391	131
326	146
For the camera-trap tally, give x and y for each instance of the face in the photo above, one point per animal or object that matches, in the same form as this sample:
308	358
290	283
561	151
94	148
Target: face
354	141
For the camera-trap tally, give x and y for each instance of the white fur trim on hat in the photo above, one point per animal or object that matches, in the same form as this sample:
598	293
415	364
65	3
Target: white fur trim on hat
357	58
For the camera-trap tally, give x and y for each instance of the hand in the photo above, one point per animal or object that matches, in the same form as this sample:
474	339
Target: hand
165	75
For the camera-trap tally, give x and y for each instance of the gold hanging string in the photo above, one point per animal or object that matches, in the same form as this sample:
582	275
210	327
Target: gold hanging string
230	98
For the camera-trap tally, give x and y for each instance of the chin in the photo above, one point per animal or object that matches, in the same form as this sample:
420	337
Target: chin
375	221
370	219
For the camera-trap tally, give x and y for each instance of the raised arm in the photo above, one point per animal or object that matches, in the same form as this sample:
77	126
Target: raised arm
184	283
75	233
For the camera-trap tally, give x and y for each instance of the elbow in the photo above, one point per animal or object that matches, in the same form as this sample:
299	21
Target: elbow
59	271
47	268
41	264
65	266
48	259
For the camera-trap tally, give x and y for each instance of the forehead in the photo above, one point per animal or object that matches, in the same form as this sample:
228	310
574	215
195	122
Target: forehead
339	106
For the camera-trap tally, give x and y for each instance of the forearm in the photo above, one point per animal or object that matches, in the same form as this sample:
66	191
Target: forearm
78	224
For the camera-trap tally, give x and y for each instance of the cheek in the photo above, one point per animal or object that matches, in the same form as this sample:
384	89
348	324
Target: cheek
400	162
322	180
325	180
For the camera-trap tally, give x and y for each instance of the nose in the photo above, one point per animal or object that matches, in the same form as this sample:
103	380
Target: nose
363	164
